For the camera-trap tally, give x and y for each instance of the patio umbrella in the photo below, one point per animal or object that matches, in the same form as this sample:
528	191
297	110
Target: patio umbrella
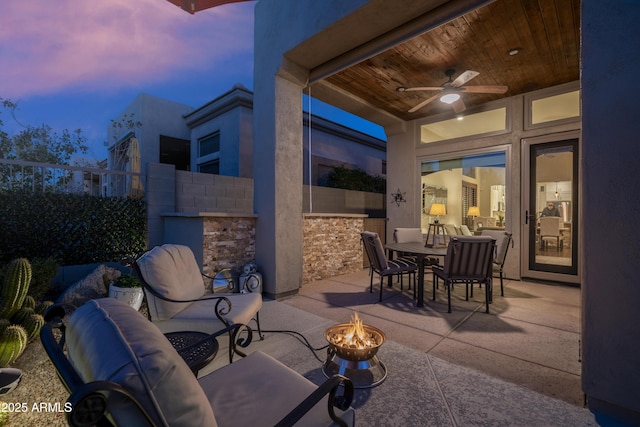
136	190
193	6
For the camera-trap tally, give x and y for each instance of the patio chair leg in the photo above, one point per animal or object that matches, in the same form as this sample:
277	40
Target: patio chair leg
435	282
371	282
501	286
448	285
257	320
487	292
381	280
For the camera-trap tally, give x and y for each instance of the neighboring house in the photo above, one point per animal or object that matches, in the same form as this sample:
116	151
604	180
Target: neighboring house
218	138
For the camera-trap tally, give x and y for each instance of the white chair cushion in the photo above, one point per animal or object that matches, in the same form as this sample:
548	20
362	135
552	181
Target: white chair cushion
502	243
404	235
172	271
243	394
465	230
200	316
108	340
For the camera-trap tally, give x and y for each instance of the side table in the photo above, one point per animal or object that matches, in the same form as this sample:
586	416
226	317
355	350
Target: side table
196	348
438	233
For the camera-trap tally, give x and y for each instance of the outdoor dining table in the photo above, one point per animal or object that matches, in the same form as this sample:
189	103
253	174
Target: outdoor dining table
420	251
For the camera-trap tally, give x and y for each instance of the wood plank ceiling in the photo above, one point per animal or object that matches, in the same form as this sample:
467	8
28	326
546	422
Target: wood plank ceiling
546	32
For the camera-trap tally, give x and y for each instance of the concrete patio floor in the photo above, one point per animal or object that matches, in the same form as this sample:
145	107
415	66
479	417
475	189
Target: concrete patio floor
531	337
517	365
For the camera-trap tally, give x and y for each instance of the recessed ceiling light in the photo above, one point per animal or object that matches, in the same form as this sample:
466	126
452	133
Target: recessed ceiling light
514	51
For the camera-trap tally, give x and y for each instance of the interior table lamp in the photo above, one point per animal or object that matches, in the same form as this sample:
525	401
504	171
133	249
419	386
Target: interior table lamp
436	210
473	212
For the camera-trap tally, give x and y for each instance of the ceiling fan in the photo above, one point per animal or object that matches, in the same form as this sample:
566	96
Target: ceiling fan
452	89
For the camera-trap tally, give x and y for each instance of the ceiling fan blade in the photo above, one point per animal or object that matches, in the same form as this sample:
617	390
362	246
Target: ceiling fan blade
484	89
464	77
411	89
423	103
458	106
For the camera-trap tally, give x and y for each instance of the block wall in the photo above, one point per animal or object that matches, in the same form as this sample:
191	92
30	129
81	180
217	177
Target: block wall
201	192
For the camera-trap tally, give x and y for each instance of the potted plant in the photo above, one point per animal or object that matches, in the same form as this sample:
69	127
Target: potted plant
127	288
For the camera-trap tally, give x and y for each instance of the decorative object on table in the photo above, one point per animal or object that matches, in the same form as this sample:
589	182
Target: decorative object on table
437	209
473	212
127	288
398	197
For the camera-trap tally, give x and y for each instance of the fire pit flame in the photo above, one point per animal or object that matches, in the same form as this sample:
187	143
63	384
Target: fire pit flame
353	335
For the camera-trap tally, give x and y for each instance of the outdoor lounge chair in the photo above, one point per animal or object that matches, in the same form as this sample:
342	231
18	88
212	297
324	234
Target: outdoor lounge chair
121	370
175	292
468	260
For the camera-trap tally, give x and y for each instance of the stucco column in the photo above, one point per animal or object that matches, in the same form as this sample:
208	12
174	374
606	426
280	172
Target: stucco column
278	178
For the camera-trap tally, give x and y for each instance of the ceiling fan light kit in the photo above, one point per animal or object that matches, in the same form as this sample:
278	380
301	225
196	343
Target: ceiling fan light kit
450	98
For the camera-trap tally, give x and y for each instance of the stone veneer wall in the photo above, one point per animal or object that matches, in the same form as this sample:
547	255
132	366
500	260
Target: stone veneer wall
229	242
331	245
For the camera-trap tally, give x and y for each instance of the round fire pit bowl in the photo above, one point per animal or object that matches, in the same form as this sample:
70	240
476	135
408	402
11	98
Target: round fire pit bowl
355	354
360	365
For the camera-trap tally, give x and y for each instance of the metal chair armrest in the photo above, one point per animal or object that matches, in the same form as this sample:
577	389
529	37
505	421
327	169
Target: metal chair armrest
330	388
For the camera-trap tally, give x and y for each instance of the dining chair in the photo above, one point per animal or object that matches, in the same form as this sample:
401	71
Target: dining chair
381	265
550	230
469	260
503	241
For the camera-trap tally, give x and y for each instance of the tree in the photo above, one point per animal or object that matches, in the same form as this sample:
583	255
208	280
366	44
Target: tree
40	143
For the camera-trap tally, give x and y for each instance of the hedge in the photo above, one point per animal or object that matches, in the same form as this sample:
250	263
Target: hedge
73	228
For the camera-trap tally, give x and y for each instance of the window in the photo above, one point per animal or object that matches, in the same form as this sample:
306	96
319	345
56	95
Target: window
553	106
209	154
212	167
484	123
209	145
462	182
175	151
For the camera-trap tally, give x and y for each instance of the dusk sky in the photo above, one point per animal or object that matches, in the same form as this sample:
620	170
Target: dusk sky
76	65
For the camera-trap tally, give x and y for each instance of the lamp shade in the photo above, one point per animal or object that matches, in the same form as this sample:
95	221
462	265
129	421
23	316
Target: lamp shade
437	209
473	211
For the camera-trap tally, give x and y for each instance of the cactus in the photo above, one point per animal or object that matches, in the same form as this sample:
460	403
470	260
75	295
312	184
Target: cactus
42	307
12	343
33	325
15	287
29	302
20	316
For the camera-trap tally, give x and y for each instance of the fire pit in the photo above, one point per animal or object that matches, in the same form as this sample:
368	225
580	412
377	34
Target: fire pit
352	352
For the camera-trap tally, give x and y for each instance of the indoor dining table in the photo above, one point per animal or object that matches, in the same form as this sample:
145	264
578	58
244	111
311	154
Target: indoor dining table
420	251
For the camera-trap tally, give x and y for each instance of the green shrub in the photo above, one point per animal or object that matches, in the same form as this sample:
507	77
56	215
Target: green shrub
355	179
73	228
44	271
